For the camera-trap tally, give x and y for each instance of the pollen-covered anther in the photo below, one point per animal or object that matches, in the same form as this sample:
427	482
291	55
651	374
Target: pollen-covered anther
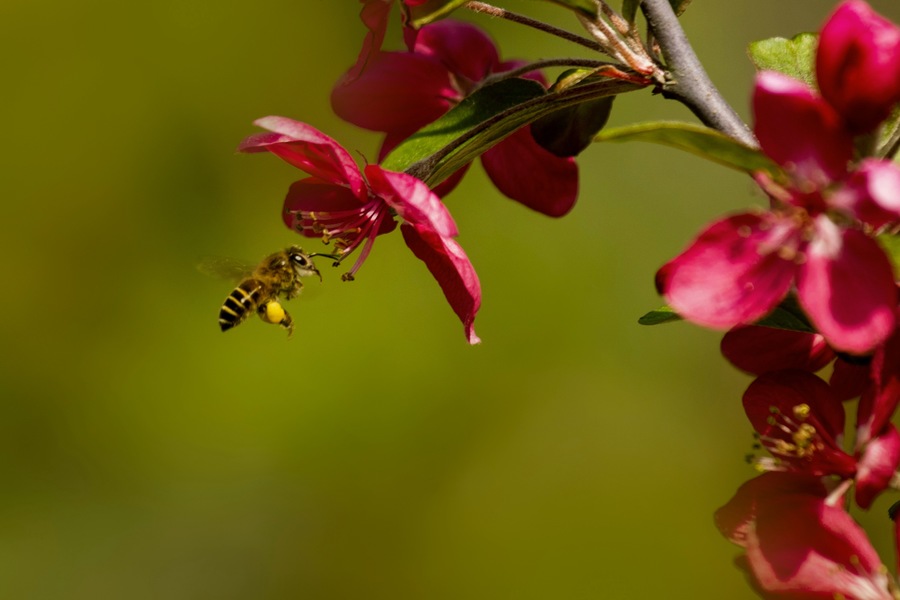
802	411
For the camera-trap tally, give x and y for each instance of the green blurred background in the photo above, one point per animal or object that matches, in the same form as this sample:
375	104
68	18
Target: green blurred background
574	454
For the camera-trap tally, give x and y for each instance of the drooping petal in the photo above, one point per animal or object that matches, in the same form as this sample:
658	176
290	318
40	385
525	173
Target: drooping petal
846	286
399	93
463	49
871	193
848	379
412	200
799	130
877	466
308	149
858	64
524	171
374	15
800	421
453	271
759	350
732	274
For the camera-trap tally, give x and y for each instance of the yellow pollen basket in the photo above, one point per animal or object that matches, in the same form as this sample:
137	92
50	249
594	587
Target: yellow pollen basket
274	313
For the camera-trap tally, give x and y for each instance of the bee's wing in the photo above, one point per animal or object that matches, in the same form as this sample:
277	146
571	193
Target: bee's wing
224	267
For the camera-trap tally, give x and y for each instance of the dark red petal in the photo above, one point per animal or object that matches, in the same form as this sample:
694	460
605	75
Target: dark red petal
858	64
878	403
308	149
846	286
398	92
524	171
462	48
758	350
877	466
733	519
412	200
453	271
799	130
776	395
848	380
732	273
871	193
374	15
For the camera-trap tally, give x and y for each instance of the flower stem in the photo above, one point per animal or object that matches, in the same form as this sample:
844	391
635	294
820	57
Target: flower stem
689	83
494	11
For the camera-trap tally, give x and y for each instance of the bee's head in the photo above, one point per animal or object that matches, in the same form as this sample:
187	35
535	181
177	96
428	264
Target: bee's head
302	262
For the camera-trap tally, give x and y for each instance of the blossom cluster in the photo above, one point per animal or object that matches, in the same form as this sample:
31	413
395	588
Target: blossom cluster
817	245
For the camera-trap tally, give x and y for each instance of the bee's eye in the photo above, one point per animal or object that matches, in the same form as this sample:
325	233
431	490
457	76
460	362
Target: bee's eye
300	260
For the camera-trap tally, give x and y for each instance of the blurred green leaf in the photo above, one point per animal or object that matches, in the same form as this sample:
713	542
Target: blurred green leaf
699	140
679	6
659	316
795	57
891	245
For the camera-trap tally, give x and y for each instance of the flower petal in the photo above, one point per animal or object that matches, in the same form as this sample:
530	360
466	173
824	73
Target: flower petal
463	49
374	15
759	350
878	403
308	149
846	286
524	171
858	64
412	200
453	271
399	93
799	130
731	274
871	193
877	466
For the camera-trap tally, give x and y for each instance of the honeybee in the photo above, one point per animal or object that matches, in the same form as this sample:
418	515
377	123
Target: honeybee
278	275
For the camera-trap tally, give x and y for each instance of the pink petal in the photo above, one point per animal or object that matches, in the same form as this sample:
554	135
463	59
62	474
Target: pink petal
878	403
462	48
524	171
375	15
412	200
732	273
805	548
858	64
308	149
398	92
453	271
799	130
871	193
758	350
846	286
877	466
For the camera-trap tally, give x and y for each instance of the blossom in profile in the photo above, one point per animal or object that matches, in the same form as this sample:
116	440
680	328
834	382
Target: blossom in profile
346	206
800	543
816	238
398	93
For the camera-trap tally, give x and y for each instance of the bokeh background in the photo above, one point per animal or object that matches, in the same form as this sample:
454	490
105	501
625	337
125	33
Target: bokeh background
143	454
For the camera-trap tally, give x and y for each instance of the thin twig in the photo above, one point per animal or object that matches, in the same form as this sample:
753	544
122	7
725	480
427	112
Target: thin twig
481	7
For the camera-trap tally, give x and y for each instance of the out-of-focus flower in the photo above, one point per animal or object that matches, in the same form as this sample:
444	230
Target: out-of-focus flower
341	204
400	92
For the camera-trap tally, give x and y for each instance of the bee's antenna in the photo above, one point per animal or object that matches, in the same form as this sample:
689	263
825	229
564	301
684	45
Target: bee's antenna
335	257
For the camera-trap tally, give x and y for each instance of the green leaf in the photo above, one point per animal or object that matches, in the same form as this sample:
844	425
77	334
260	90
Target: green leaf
478	108
787	315
699	140
586	7
661	315
629	10
679	6
569	131
795	57
890	243
486	117
433	11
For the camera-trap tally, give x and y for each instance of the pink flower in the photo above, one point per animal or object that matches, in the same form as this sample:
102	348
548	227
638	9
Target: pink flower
400	92
800	421
338	202
375	15
814	237
858	64
799	544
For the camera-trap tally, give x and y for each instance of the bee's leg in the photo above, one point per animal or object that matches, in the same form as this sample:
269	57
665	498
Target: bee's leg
273	312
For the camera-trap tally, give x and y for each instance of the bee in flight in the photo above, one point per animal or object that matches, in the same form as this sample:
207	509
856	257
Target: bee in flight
278	275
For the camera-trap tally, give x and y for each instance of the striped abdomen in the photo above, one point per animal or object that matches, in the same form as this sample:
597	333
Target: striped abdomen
240	303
